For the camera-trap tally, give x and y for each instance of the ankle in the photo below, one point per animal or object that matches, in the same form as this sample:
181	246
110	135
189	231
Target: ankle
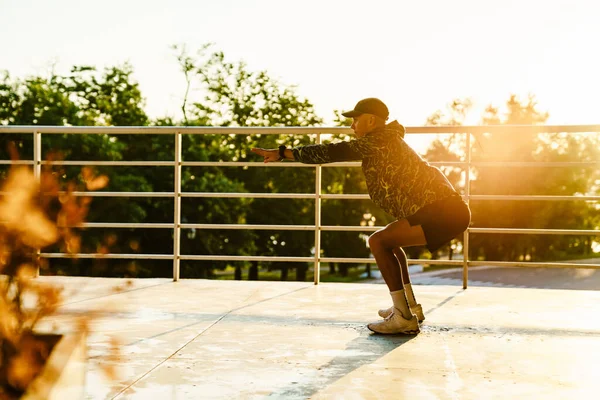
402	314
400	303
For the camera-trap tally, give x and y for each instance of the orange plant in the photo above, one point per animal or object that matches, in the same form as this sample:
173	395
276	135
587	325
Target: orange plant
34	214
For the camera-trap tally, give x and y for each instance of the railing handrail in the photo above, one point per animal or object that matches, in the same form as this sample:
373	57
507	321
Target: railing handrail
146	130
319	132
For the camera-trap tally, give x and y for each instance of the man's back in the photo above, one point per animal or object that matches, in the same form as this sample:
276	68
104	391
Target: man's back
398	179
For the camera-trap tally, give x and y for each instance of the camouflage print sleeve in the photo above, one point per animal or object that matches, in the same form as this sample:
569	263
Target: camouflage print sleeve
326	153
368	145
352	150
312	154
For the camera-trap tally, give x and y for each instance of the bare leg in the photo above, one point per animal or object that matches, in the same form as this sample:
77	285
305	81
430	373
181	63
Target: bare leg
389	268
410	295
401	256
385	241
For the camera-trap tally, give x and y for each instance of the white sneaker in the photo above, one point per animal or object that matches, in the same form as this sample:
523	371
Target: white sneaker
396	323
416	309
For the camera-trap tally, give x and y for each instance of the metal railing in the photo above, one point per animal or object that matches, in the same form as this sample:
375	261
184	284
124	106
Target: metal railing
178	194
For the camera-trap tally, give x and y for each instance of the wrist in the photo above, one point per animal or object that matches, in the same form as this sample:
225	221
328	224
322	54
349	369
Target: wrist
282	149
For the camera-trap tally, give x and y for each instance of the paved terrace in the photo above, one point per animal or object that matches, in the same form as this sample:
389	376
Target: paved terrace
202	339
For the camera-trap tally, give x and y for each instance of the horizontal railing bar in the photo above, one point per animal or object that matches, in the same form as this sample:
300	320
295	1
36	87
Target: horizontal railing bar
500	164
114	163
326	196
328	228
126	225
112	256
342	196
364	196
435	262
347	260
16	162
256	163
123	194
249	227
337	228
471	263
477	230
245	258
536	231
372	261
170	225
359	164
265	227
515	164
519	129
532	198
171	130
311	259
253	164
485	164
233	195
531	264
294	164
116	194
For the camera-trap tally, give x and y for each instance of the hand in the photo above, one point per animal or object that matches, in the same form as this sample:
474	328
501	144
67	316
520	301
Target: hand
269	155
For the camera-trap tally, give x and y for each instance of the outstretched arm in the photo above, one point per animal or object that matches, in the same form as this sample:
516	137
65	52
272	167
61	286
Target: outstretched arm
313	153
356	149
272	155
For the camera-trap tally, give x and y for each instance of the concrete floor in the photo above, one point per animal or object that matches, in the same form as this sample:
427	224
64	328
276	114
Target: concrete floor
519	277
202	339
546	278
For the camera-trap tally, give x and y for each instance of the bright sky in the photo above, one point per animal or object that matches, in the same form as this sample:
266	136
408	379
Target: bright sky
415	55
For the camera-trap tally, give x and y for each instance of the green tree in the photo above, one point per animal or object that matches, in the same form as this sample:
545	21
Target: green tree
347	180
448	149
84	97
511	146
235	96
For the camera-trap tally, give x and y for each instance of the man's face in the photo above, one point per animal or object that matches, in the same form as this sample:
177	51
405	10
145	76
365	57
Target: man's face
363	124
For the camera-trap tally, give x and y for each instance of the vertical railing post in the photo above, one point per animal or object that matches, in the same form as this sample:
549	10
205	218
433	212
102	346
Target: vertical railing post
37	173
177	208
317	268
467	195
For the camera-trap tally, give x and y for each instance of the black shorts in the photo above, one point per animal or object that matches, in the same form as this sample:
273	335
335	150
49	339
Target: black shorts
442	221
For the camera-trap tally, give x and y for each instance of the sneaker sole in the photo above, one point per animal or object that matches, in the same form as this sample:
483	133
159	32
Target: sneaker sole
412	332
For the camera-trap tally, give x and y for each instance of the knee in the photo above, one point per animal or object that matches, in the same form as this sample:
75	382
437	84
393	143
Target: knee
376	242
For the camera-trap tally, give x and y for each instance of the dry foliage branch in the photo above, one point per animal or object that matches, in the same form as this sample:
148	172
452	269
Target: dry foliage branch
34	214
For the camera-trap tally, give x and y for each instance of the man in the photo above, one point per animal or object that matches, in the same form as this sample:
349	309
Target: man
428	209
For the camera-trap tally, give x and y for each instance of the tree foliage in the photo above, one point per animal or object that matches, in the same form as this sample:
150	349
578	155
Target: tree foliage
221	92
503	179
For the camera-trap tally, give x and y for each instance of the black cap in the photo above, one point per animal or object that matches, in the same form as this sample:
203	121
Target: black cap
370	105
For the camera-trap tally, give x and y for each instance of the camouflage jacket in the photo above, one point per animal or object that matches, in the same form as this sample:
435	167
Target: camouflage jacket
398	179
